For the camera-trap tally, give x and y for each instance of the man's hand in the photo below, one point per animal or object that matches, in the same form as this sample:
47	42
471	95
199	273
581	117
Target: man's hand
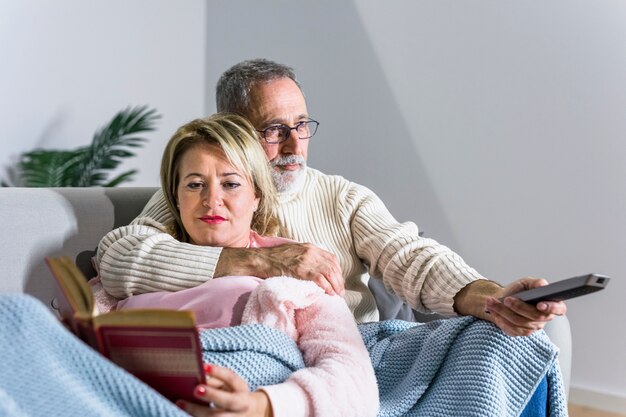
227	394
489	301
299	260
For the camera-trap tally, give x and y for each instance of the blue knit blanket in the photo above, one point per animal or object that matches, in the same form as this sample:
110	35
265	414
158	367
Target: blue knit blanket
458	367
46	371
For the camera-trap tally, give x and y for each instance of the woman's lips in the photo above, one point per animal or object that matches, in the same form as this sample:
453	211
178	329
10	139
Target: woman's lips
212	219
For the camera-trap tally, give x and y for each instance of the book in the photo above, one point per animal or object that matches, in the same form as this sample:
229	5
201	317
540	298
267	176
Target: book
161	347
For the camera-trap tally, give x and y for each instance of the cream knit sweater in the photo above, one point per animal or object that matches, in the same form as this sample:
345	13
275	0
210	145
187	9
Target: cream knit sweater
340	216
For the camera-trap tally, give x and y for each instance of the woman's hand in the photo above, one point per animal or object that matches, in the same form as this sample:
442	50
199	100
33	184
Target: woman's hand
226	394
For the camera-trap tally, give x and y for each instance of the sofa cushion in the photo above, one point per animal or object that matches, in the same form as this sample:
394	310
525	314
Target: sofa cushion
41	222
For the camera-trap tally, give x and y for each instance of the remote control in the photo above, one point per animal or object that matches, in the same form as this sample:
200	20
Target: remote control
565	289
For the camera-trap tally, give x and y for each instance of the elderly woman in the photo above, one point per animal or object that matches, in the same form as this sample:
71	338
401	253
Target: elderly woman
215	176
217	179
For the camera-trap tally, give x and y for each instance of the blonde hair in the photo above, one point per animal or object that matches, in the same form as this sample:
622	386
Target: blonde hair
239	141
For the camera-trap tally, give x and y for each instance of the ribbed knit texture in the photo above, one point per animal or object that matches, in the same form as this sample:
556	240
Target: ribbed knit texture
338	215
142	257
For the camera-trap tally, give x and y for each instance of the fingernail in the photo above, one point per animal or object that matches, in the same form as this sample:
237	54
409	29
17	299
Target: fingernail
207	368
181	405
542	306
200	390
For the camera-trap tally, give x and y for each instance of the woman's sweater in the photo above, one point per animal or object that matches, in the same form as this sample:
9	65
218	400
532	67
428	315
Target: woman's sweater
338	379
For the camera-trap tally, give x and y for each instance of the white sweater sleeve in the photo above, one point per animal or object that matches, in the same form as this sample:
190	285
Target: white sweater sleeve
421	271
143	257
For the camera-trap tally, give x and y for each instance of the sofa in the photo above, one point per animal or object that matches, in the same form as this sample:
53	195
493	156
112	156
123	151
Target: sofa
40	222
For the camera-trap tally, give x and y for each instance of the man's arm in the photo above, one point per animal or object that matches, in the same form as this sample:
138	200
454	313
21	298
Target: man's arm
299	260
471	300
143	257
431	277
422	272
140	258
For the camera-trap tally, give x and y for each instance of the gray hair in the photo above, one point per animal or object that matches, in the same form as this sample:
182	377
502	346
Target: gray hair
233	88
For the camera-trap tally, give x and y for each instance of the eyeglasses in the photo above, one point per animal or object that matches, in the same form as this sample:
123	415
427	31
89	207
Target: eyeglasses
280	133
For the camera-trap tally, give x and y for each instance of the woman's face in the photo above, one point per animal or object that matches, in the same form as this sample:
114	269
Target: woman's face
215	199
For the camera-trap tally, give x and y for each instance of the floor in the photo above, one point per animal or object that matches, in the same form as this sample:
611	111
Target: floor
582	411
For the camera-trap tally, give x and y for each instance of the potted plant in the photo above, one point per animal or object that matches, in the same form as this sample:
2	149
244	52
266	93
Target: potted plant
90	165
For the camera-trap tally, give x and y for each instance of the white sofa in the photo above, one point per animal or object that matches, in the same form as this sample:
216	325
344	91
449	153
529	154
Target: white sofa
40	222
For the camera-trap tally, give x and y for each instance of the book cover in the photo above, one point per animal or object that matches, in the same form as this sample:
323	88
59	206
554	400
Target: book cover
160	347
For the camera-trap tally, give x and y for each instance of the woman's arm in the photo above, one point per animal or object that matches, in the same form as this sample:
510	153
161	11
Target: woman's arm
338	379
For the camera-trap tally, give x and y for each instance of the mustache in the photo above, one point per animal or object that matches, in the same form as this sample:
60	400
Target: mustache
288	160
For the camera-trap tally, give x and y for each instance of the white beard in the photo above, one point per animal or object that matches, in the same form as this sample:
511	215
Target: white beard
287	180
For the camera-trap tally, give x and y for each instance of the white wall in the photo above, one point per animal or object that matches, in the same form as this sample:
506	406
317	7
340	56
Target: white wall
68	66
499	127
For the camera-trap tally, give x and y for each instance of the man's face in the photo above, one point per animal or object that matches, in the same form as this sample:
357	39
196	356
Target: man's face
281	102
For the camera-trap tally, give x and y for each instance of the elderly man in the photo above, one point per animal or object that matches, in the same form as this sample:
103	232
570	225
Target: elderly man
349	229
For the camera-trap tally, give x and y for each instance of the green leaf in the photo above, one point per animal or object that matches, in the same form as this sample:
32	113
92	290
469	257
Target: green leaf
107	151
127	176
50	168
90	165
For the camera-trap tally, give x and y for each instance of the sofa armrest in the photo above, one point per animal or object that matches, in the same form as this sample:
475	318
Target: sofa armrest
560	333
41	222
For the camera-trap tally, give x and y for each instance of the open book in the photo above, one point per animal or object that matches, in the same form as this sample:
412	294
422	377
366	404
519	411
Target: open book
160	347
